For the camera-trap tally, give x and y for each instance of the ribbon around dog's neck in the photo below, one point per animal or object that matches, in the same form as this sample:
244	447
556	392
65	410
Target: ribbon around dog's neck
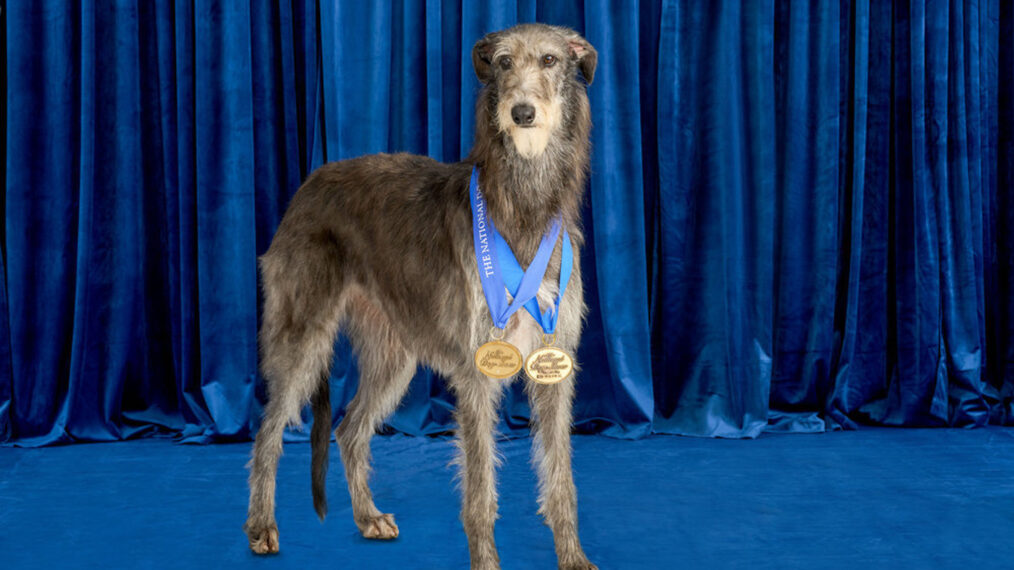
500	272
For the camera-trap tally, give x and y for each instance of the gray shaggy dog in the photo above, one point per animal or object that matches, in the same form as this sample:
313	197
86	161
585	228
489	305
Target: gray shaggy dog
380	247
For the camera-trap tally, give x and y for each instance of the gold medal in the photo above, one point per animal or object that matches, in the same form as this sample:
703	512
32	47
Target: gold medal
498	359
549	364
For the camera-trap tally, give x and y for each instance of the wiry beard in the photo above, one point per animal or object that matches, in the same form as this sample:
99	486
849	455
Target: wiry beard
530	142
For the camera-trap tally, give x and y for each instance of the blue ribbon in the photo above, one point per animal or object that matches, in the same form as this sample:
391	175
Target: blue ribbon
499	270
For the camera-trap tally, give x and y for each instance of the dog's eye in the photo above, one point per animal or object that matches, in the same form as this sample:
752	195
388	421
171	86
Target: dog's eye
548	60
506	63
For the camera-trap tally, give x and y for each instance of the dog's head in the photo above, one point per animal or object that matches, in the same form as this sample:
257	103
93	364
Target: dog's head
530	71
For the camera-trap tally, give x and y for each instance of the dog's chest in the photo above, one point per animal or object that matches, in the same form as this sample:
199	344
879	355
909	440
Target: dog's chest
523	331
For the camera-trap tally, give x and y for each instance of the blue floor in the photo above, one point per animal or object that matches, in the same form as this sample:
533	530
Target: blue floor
874	498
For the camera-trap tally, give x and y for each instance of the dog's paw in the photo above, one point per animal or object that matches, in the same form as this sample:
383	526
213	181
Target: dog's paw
380	527
263	540
582	565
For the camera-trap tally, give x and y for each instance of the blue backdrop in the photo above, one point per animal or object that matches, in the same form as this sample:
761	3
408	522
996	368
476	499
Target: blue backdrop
800	214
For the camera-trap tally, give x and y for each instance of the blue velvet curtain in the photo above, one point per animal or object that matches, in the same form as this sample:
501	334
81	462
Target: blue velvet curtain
800	214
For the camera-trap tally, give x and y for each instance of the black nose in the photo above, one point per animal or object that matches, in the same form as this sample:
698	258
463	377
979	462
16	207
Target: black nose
523	114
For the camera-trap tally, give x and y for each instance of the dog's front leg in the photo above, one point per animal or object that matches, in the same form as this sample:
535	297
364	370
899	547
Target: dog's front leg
478	398
557	494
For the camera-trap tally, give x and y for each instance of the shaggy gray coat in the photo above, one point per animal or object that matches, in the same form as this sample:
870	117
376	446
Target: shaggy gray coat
380	248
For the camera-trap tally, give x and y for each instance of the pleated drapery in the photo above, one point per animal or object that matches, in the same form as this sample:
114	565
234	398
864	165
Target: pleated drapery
800	215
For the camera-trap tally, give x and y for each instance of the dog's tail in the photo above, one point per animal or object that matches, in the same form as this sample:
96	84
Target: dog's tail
320	442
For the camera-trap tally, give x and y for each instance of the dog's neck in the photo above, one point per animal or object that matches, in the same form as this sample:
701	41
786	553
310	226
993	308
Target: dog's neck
524	195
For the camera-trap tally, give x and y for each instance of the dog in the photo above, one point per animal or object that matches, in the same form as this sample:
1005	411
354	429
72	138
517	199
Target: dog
380	248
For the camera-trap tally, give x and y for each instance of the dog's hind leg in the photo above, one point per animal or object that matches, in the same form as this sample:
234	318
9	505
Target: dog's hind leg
297	338
385	371
478	398
551	405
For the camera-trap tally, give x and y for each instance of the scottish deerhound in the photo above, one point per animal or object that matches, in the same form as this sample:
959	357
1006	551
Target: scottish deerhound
380	247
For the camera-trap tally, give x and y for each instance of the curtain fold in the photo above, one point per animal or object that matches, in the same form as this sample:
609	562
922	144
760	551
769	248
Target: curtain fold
1001	306
800	215
713	321
6	380
616	258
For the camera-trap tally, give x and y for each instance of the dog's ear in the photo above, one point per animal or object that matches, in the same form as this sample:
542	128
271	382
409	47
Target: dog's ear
482	56
583	53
